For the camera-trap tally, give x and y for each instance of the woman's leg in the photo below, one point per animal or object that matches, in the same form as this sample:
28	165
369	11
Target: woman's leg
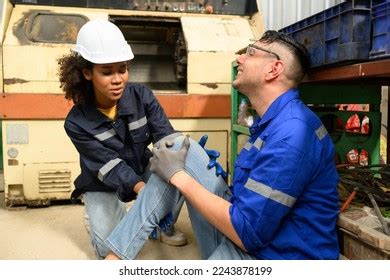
104	211
158	198
153	203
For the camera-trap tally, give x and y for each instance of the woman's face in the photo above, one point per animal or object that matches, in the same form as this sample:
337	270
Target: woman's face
108	82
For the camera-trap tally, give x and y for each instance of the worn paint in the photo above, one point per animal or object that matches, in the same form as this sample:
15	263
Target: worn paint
55	106
210	85
14	81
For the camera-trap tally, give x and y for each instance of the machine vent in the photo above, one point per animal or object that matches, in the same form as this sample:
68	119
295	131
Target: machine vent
54	181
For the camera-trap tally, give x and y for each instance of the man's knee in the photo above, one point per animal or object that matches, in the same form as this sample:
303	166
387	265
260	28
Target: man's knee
196	165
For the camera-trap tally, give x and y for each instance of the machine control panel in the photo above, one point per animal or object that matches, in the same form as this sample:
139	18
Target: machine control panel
227	7
240	7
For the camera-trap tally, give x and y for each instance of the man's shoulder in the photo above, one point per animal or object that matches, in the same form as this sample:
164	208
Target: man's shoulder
296	124
300	111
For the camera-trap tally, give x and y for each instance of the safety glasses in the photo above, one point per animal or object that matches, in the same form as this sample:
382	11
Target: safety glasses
251	49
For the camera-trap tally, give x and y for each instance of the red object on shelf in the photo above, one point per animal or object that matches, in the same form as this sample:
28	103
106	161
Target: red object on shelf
365	129
353	124
363	158
352	156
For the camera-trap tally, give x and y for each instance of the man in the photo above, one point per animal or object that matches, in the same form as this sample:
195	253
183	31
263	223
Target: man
283	200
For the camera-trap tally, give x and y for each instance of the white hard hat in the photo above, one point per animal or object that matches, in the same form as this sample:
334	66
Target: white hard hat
100	41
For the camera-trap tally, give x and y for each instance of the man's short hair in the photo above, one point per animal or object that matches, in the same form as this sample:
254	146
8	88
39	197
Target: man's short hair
298	50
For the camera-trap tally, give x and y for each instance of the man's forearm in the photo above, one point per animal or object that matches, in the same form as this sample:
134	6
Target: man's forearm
214	208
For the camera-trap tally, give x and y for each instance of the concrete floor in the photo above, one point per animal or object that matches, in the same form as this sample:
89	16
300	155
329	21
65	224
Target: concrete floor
57	232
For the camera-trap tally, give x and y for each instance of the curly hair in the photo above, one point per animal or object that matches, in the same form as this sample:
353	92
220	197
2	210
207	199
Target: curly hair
72	81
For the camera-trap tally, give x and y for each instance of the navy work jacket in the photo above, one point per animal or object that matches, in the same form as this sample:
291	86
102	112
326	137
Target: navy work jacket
114	153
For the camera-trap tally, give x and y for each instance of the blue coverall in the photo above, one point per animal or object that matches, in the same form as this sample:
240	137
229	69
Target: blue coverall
285	200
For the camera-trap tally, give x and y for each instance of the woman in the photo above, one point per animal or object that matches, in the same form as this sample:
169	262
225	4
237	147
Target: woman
111	125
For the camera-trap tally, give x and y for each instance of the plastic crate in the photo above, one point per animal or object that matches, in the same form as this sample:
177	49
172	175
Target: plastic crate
375	3
380	30
338	34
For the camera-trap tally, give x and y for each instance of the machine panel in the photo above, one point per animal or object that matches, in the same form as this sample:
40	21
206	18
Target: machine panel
227	7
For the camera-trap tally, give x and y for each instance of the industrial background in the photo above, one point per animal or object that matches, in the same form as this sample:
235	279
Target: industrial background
38	163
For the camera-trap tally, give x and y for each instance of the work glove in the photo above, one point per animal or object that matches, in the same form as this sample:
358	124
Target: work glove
213	155
165	224
166	162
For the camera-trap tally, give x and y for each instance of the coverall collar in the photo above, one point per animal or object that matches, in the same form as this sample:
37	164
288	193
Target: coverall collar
274	109
125	106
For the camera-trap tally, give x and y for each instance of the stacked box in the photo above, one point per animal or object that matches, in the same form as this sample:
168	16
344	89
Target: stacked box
338	34
380	21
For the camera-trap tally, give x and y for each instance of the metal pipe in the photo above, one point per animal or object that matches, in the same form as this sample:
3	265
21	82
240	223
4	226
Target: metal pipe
379	214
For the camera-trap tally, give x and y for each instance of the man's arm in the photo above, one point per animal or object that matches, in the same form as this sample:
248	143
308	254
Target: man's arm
214	208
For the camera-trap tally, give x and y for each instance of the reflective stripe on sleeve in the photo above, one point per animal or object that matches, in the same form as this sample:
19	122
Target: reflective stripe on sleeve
105	135
270	193
321	132
107	168
137	124
258	144
248	146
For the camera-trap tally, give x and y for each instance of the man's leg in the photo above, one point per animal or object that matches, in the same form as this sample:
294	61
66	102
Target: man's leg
207	236
227	250
169	235
158	198
104	211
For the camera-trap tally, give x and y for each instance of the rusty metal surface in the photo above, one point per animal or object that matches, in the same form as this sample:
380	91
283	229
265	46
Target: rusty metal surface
372	70
55	106
48	27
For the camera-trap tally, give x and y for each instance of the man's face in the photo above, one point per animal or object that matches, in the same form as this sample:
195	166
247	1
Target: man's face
252	66
108	81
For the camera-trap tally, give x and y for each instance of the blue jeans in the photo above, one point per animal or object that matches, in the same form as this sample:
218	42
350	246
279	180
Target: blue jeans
158	198
105	211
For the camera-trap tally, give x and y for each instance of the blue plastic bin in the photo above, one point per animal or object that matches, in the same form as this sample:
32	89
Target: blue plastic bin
380	20
374	3
338	34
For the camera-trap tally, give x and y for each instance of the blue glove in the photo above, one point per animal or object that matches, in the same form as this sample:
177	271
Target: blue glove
213	155
165	224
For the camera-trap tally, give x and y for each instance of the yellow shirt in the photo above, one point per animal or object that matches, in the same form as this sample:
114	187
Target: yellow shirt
110	112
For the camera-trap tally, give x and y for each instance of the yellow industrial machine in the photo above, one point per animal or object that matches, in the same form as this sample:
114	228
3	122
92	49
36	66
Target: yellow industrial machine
183	51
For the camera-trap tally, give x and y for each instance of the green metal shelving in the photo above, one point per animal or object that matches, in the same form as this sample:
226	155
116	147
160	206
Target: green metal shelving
322	98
